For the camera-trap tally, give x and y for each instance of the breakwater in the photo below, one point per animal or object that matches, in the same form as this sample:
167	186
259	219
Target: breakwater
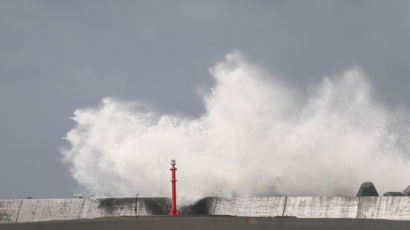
33	210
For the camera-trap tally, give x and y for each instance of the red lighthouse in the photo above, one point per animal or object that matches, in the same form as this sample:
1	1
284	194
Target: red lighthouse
174	210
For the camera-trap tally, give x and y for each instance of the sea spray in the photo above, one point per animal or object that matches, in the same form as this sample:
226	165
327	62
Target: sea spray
257	136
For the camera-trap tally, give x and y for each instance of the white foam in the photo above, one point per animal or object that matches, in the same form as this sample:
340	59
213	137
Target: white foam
256	137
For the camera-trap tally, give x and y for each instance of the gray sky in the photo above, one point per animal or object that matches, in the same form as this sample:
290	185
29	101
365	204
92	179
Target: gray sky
56	56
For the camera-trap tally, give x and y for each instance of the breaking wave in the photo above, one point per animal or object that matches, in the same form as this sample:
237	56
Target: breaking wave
257	136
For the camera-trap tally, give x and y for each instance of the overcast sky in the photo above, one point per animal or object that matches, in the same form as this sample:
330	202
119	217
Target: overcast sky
56	56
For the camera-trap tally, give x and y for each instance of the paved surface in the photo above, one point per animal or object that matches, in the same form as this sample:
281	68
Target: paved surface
211	222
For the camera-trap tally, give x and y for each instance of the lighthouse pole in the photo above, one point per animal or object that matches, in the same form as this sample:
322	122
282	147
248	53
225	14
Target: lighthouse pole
174	210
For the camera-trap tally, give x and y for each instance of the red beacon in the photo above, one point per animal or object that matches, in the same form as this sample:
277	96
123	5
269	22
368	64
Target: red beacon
174	210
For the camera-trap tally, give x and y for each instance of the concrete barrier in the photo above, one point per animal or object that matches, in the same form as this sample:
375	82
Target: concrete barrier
154	206
31	210
50	209
387	207
248	206
109	207
9	210
321	207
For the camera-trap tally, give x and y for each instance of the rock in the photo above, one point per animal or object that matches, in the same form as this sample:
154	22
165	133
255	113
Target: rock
367	189
406	191
393	194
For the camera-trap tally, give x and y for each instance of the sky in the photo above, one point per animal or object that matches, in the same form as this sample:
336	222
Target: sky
58	56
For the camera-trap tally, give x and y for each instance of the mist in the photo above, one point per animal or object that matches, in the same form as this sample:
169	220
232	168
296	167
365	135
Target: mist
258	136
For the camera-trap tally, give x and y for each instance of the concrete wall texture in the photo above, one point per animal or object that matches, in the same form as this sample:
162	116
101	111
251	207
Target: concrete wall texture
9	210
322	207
248	206
386	207
32	210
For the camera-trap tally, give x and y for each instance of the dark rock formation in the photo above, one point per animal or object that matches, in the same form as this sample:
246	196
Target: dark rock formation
393	194
367	189
406	191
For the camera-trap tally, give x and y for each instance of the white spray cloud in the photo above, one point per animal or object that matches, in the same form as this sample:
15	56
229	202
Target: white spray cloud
257	137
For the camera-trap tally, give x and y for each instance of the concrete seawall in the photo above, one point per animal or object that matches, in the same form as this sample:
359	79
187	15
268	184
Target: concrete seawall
110	207
248	206
9	210
33	210
386	207
322	207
